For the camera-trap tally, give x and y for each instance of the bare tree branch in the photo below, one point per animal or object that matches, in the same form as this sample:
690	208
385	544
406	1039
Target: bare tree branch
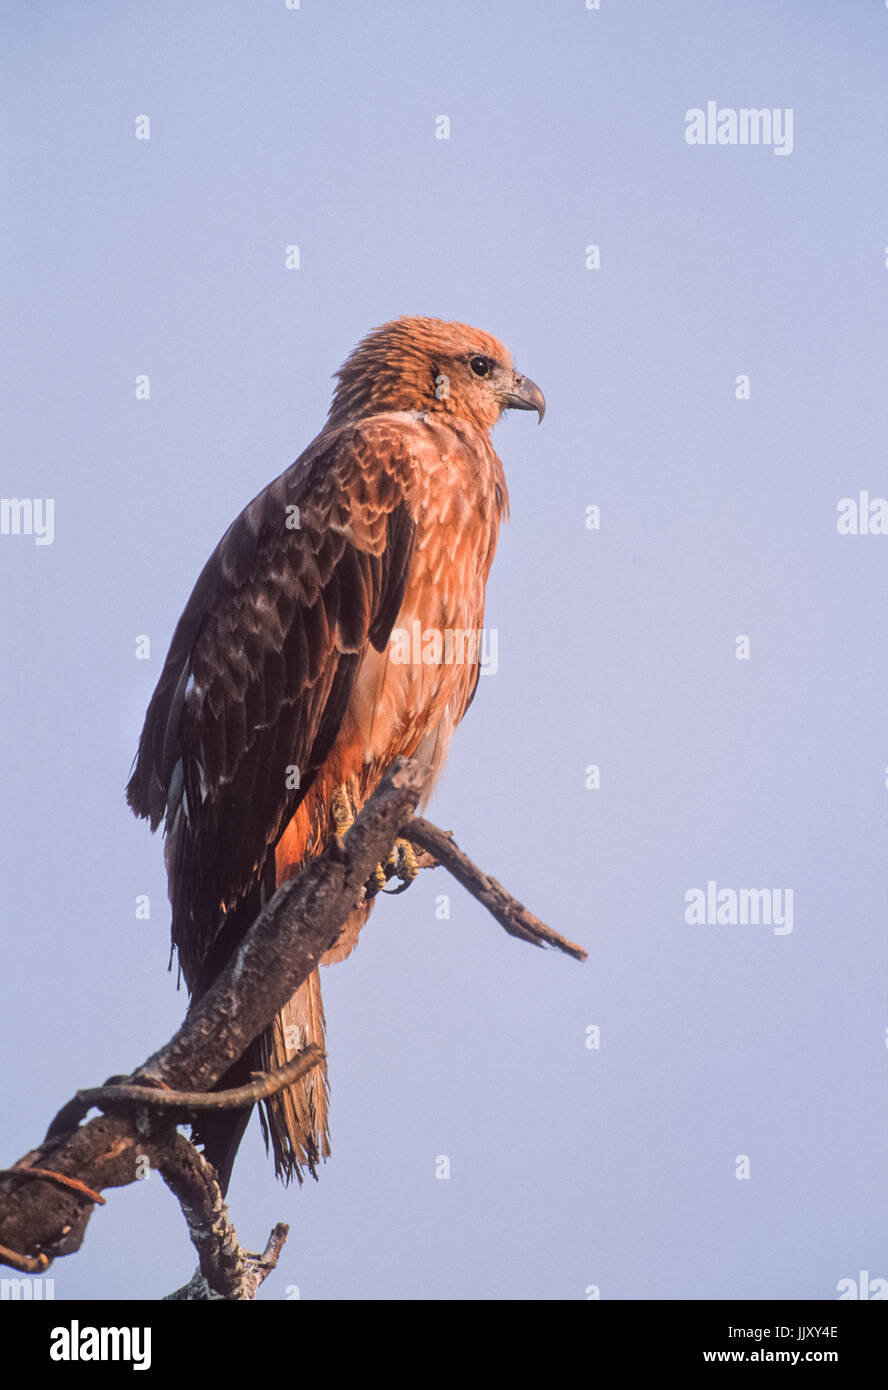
47	1198
225	1270
258	1267
41	1219
119	1096
512	915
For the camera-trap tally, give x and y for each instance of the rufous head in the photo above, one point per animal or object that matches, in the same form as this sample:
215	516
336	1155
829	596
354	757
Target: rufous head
432	365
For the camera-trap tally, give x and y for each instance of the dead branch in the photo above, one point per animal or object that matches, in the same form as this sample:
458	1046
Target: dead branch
40	1219
114	1097
257	1268
512	915
225	1270
47	1198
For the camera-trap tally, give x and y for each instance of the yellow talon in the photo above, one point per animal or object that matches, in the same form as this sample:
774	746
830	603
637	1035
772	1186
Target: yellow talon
401	864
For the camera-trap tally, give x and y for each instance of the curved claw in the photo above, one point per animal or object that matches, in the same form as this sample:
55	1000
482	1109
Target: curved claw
402	886
401	864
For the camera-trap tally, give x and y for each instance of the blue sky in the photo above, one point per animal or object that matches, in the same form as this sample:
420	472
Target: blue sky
571	1167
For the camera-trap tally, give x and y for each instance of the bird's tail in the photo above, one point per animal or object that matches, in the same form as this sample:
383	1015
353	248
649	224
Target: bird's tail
294	1121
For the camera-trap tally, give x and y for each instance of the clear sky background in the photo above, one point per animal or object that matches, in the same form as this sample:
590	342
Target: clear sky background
571	1166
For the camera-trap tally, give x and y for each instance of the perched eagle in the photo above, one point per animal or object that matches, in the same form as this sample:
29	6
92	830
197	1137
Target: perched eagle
279	707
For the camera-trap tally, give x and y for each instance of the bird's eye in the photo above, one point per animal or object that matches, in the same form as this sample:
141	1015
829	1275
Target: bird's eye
480	365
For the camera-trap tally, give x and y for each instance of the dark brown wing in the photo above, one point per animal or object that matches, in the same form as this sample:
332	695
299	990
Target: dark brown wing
260	672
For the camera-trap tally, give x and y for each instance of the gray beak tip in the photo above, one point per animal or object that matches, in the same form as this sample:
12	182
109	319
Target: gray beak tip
527	396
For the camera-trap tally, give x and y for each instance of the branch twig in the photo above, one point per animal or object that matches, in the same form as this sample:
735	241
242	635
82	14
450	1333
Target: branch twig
125	1094
225	1270
512	915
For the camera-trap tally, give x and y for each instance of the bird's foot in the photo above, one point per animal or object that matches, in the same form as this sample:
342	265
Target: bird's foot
401	864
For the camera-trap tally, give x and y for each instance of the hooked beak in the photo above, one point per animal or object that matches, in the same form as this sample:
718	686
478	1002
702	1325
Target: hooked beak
525	395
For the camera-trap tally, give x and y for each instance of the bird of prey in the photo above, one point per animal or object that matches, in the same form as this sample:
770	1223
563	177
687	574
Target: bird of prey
280	705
